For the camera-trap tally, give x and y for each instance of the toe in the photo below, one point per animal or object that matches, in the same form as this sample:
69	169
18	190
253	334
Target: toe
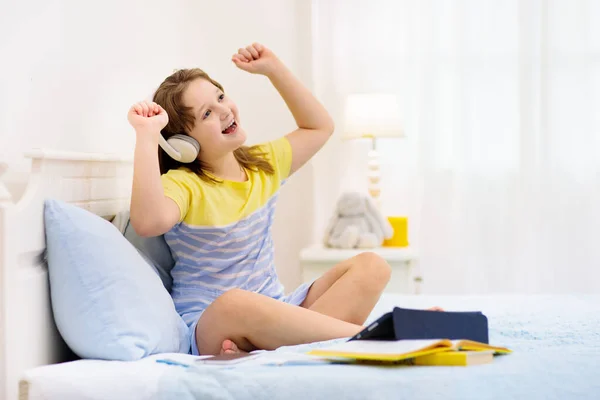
228	347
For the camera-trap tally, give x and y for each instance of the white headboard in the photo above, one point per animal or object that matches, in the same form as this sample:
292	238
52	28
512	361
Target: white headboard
99	183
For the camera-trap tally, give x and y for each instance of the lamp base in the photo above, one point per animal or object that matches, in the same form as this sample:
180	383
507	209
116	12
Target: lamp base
374	175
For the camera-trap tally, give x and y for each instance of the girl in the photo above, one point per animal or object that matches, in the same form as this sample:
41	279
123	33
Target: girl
216	214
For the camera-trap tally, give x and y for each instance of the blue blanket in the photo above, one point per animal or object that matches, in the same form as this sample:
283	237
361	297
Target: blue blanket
556	343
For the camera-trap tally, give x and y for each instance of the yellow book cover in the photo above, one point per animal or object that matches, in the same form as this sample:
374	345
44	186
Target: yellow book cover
396	350
454	358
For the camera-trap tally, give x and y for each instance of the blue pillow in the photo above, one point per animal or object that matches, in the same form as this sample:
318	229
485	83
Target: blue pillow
107	302
156	252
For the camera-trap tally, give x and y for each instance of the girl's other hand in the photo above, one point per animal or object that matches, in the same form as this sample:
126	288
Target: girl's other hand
147	117
256	59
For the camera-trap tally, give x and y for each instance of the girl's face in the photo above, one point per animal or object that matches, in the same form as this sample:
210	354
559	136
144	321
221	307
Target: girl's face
217	127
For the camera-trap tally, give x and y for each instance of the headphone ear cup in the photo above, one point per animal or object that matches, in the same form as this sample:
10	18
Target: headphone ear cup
185	145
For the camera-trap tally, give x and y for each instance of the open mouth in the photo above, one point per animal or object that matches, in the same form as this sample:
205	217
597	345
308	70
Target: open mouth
230	129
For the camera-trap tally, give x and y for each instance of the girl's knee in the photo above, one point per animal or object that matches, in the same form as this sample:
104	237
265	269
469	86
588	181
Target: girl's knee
234	294
243	307
232	301
377	272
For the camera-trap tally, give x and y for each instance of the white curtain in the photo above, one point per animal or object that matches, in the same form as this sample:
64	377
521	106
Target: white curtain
500	170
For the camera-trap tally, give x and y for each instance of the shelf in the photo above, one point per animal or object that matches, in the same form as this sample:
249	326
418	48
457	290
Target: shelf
319	253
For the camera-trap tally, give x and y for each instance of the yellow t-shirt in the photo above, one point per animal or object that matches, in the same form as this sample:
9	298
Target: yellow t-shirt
205	204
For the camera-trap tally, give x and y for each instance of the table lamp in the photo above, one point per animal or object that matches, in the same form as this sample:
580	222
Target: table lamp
4	193
372	116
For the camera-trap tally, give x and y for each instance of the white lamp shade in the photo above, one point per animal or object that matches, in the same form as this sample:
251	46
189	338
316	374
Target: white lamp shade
372	115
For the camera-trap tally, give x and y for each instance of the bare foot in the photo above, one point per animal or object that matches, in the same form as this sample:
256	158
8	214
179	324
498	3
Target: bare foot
435	309
228	347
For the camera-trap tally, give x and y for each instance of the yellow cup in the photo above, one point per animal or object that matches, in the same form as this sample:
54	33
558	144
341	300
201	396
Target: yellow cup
400	238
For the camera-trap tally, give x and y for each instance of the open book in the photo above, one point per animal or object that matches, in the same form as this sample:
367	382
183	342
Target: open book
397	350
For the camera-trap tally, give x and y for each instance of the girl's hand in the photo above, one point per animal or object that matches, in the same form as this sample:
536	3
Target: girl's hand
256	59
147	117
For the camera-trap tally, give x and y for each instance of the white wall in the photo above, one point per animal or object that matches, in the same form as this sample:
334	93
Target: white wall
71	69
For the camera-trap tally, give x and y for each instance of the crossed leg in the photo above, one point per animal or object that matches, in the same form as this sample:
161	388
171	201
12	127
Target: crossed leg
242	320
336	306
350	290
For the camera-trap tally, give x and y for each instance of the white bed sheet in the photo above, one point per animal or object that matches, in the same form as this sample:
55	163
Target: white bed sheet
541	329
98	380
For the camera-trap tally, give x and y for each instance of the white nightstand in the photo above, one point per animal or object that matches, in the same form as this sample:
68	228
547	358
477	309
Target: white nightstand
316	260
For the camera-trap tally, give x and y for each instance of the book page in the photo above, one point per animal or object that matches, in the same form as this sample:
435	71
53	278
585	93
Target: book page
389	347
471	345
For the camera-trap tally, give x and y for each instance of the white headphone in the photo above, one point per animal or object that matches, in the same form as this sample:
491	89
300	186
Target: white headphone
180	148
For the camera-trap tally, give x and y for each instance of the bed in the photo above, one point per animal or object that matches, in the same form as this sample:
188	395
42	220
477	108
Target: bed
555	338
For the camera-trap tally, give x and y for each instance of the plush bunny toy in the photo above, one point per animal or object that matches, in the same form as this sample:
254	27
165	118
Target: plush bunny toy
357	223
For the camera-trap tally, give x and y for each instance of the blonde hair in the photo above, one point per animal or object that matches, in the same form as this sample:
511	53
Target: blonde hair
169	96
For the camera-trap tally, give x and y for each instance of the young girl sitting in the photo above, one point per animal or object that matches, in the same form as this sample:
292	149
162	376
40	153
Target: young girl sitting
216	214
